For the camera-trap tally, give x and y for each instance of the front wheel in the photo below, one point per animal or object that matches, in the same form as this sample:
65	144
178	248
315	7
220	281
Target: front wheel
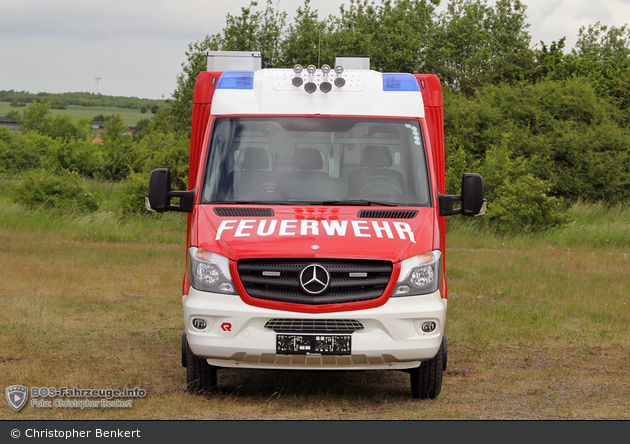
426	380
201	377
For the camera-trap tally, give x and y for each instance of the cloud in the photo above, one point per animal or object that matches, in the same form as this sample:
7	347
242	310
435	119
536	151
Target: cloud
138	46
88	20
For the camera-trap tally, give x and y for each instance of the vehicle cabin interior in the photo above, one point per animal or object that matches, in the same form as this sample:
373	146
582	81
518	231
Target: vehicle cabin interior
264	162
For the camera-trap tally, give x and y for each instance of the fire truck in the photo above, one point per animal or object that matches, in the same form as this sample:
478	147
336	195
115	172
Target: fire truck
316	221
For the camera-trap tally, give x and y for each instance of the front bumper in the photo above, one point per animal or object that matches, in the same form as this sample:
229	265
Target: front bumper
392	337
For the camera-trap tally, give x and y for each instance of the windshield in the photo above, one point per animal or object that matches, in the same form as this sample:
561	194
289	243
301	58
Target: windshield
316	160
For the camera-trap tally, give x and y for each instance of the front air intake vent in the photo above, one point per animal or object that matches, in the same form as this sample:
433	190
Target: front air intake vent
314	325
388	214
244	212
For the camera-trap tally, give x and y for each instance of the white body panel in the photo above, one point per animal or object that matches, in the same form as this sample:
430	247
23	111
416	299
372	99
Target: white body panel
392	337
273	94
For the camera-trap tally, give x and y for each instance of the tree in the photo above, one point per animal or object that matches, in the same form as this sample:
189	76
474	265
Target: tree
142	128
143	109
64	127
476	44
251	31
305	38
176	115
395	34
254	31
551	61
34	116
601	54
599	42
116	149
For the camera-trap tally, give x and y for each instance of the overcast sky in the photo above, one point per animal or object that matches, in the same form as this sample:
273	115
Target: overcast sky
137	47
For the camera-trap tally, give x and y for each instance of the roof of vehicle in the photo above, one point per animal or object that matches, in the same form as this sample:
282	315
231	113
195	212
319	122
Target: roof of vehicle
273	92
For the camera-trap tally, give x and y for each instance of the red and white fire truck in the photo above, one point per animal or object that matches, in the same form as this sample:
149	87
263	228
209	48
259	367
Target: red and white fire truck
316	231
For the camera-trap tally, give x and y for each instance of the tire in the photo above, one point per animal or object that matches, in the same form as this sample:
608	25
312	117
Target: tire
426	380
201	377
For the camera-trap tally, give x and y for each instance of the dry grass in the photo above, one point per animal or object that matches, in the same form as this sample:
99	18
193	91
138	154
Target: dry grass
535	332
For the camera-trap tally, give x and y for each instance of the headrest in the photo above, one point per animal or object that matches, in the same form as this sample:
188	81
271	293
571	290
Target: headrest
252	159
307	159
376	156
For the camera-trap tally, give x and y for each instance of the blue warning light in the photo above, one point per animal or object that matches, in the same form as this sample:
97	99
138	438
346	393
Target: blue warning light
400	82
236	80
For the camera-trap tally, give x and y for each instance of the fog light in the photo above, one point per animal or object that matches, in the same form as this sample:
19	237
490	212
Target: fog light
199	324
428	326
228	288
297	81
403	289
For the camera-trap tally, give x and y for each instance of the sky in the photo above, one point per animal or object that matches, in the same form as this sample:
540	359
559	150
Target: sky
136	47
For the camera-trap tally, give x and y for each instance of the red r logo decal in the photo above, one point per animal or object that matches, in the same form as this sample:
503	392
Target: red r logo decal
226	326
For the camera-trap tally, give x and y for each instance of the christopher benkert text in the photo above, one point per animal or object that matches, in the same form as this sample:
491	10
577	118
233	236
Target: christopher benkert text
98	433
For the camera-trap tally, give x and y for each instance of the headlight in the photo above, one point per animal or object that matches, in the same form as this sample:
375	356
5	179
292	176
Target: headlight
210	271
419	274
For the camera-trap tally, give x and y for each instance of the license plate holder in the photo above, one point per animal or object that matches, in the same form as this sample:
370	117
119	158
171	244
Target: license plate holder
313	344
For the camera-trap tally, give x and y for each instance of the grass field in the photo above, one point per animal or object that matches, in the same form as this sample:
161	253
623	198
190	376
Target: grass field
538	327
131	116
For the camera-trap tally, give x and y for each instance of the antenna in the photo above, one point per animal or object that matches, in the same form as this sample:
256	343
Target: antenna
97	79
319	43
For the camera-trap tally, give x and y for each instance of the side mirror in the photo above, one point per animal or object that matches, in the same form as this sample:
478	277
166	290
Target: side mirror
473	202
158	199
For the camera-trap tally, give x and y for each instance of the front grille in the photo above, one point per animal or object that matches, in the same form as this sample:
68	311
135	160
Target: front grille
279	280
314	325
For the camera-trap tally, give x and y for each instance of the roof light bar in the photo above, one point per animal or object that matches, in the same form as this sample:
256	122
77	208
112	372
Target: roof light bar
325	86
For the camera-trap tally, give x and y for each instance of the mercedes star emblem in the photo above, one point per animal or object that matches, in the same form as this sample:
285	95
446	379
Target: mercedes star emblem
314	279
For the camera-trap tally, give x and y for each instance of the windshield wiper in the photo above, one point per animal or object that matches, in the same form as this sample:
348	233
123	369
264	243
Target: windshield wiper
360	202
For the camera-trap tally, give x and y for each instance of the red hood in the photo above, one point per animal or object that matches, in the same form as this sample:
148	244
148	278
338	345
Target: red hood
314	232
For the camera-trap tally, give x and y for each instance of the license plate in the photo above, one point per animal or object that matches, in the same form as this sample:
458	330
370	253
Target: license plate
313	344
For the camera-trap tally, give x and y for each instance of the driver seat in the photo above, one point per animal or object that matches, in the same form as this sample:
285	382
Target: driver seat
374	176
253	180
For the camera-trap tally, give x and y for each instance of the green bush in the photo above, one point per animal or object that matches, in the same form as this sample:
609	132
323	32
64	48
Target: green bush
158	150
517	200
81	156
524	205
117	151
65	192
131	193
456	165
570	137
24	152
